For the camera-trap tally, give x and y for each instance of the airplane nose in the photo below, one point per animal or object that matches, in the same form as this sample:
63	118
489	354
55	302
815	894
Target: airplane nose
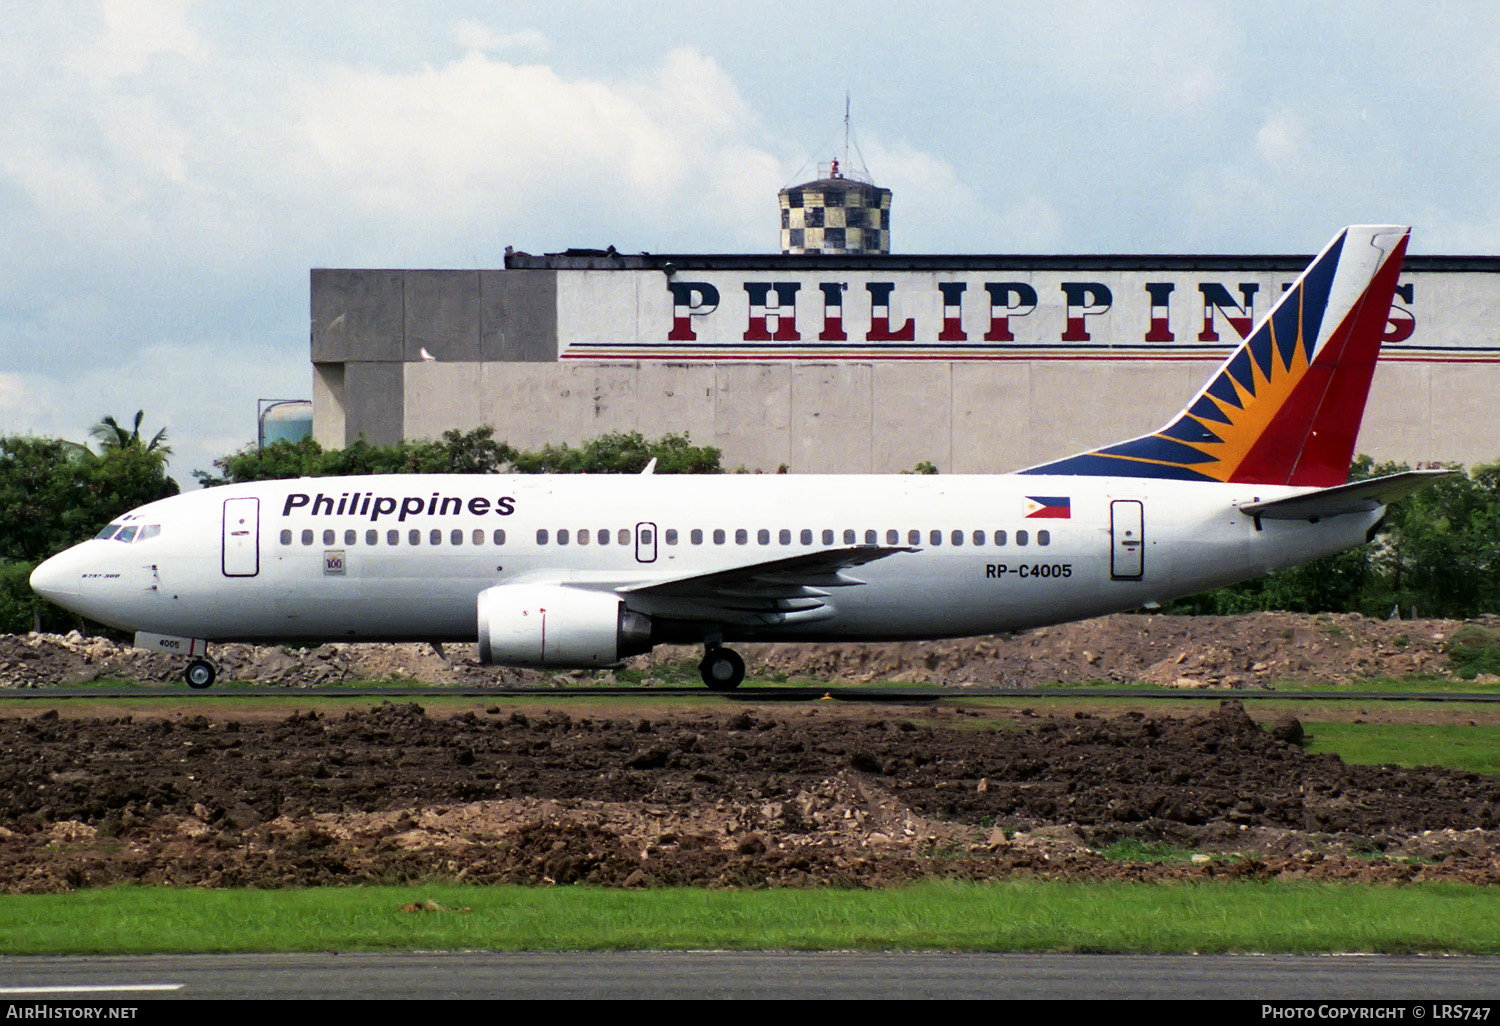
54	581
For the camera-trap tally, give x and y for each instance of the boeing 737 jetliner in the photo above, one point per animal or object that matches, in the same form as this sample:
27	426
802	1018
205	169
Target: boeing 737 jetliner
579	571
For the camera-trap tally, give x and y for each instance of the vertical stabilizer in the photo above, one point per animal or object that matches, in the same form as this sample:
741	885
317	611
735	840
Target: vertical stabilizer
1285	407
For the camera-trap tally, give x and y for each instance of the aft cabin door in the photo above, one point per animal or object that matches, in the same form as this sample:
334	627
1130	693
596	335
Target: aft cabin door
1128	543
241	537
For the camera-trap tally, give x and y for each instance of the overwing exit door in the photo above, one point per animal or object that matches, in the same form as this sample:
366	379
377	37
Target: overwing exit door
1128	543
645	543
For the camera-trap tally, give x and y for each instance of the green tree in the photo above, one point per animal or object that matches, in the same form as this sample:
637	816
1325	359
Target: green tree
112	436
621	453
1441	550
457	452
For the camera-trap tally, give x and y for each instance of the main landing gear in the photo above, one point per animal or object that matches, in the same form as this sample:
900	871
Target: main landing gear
200	674
722	668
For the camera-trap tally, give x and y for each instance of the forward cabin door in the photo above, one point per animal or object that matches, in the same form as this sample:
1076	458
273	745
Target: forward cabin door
241	537
1128	542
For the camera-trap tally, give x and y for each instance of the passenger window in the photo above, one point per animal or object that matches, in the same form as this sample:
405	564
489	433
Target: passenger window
827	537
914	537
351	536
1021	537
307	537
286	537
329	536
670	536
763	536
848	536
541	536
958	537
978	537
583	536
935	538
806	536
435	536
696	536
372	537
624	536
741	536
1044	538
456	536
603	536
871	538
645	537
478	536
892	537
393	537
784	536
718	536
562	536
499	536
414	537
999	537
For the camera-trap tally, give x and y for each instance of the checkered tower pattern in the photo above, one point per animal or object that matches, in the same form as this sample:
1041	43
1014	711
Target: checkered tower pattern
835	215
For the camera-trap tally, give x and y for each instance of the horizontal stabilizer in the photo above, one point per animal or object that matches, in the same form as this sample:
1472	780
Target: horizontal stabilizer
1355	497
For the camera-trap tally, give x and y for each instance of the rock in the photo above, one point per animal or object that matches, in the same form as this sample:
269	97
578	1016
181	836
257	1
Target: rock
1289	729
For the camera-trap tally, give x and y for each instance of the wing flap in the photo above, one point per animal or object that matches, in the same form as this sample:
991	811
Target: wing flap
778	591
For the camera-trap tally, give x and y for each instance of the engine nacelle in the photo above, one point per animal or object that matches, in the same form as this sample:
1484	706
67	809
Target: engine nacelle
549	625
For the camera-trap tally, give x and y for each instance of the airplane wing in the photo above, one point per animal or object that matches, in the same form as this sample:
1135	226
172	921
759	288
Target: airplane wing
776	591
1355	497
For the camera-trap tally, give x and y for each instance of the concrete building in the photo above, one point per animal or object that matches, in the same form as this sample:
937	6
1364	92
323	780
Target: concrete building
865	363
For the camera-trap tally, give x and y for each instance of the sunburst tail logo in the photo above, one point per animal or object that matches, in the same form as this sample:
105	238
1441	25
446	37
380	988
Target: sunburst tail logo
1285	407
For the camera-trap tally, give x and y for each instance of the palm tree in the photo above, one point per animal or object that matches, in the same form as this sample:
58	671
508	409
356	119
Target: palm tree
112	436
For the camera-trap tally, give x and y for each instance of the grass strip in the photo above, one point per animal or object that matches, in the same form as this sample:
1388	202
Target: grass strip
1456	746
1012	916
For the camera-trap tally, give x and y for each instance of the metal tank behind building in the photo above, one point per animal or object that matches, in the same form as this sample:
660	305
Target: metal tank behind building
835	214
284	420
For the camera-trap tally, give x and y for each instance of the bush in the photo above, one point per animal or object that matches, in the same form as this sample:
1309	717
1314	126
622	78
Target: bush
472	452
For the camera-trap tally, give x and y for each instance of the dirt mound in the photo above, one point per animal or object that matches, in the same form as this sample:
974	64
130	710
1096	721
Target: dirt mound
749	798
1238	651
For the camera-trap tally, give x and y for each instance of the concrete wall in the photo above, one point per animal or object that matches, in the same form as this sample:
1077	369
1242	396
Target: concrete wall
506	348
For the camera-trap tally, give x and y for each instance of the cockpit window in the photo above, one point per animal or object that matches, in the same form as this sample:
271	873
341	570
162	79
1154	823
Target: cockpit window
149	531
108	532
127	535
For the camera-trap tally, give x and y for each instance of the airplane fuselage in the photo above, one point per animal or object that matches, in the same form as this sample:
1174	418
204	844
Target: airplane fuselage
406	557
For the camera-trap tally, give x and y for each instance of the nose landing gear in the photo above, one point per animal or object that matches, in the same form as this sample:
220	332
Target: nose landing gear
722	668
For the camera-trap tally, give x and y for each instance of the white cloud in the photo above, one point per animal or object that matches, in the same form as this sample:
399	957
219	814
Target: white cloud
480	139
930	198
476	35
135	32
1281	141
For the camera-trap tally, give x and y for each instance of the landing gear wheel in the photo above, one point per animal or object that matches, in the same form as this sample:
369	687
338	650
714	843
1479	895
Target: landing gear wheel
722	669
200	673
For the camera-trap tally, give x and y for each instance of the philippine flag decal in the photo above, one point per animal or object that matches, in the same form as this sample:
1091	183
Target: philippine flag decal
1049	507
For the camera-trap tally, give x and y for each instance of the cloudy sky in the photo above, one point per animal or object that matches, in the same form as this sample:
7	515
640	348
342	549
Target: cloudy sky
170	170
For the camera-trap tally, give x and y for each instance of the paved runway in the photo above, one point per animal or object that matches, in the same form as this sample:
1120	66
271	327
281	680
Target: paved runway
531	975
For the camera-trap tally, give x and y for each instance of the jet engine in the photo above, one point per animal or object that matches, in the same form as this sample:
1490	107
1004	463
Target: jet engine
550	625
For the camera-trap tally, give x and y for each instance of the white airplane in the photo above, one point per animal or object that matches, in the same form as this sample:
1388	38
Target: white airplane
579	571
